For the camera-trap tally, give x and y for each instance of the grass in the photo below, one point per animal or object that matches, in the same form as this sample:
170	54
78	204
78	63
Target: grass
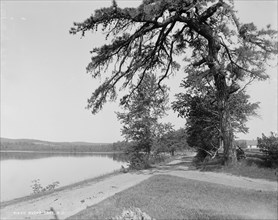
169	197
251	167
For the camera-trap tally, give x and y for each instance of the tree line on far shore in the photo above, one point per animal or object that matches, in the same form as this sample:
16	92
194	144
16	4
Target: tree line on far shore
36	145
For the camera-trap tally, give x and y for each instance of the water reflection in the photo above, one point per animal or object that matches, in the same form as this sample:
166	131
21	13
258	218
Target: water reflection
21	155
18	169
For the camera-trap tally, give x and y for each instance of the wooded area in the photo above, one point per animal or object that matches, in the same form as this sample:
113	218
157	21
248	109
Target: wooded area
37	145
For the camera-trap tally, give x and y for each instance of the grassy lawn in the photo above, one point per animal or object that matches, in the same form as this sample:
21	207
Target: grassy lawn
250	167
169	197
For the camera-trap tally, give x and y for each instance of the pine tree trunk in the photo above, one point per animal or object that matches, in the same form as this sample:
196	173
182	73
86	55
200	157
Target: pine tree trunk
222	95
227	135
225	127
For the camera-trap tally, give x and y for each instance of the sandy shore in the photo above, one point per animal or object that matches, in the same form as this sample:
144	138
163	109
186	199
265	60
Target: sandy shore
71	200
62	188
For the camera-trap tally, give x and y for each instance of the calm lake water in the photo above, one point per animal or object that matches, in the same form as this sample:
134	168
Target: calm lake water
18	169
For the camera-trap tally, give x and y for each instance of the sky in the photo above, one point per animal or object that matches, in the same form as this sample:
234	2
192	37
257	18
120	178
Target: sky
45	87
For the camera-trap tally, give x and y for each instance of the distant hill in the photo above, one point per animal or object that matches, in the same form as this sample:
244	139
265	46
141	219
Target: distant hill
8	144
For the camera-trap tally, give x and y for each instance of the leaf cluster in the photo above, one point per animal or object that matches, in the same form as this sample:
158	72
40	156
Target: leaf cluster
38	188
171	141
269	146
142	111
203	116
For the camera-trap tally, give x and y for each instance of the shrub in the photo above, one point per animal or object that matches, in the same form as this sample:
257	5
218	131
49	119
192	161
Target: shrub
269	147
38	188
200	156
138	160
133	214
157	158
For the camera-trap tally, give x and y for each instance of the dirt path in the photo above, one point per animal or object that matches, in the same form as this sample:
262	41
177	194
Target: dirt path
72	200
182	169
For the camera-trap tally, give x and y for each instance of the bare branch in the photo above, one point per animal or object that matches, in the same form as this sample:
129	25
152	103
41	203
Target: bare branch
168	66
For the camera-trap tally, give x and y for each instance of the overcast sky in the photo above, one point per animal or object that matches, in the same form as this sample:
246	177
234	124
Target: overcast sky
44	85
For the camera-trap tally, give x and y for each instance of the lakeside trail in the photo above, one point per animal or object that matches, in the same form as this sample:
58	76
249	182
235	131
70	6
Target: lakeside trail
72	200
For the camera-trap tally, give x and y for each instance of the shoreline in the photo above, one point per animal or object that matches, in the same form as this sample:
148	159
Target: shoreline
68	152
67	187
78	184
72	199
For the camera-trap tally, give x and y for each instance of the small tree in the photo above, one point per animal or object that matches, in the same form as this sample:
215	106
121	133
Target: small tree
140	119
269	147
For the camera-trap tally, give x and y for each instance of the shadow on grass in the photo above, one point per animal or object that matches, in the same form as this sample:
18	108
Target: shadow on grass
164	169
250	167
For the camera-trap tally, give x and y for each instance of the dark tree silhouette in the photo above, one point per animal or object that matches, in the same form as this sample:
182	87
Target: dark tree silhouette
202	118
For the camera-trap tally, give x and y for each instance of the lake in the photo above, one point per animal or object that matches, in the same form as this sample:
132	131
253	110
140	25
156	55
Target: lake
19	169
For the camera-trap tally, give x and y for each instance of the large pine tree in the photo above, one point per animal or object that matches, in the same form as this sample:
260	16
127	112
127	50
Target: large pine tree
207	33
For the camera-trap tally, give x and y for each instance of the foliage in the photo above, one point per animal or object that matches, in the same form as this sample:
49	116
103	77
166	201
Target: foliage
47	146
171	141
121	146
251	167
269	147
38	188
140	119
202	123
137	159
217	48
134	214
200	110
241	143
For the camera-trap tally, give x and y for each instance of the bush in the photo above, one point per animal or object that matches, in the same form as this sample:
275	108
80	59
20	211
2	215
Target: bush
157	158
200	156
138	160
38	188
133	214
269	147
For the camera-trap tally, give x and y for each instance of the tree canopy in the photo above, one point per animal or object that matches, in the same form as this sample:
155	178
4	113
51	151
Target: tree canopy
148	37
269	147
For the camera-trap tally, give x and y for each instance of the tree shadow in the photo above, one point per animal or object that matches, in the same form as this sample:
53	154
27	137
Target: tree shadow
185	164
